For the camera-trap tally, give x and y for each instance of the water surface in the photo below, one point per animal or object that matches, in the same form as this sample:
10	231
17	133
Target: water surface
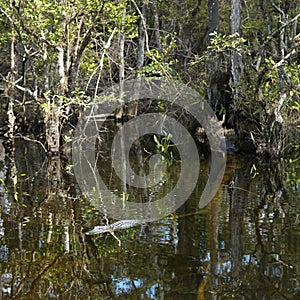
244	245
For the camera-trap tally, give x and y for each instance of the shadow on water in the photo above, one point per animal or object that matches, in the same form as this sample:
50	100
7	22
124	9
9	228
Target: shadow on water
245	244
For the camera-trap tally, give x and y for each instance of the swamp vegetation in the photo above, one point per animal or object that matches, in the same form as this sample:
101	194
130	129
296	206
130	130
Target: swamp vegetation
242	57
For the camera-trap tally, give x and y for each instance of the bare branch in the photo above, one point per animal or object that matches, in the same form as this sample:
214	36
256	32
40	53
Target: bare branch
283	61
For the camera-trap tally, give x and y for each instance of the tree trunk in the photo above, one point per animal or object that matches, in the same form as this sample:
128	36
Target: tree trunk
11	89
236	58
213	62
156	27
77	52
61	70
51	120
213	16
141	44
120	112
46	81
133	105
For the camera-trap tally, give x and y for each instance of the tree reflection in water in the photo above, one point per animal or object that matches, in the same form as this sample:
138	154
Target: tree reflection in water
245	244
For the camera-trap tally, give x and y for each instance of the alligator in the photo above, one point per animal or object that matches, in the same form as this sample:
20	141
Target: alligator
123	224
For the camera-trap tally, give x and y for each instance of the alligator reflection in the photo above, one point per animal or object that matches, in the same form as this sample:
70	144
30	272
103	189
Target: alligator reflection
245	244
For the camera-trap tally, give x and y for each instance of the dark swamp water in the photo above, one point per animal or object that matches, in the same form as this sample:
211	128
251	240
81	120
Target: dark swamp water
244	245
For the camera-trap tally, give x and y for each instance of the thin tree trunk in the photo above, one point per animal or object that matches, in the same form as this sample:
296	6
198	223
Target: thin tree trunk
51	120
275	136
53	111
46	82
61	70
76	55
133	105
235	17
141	44
156	27
120	112
10	112
212	65
11	89
213	16
236	58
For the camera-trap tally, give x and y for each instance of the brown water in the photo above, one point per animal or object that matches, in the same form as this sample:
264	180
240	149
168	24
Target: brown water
244	245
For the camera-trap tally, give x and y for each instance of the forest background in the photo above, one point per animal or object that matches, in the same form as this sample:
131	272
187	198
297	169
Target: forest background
241	56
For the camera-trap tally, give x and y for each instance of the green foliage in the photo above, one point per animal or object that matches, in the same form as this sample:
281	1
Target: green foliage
224	43
121	16
161	64
86	35
163	146
67	139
